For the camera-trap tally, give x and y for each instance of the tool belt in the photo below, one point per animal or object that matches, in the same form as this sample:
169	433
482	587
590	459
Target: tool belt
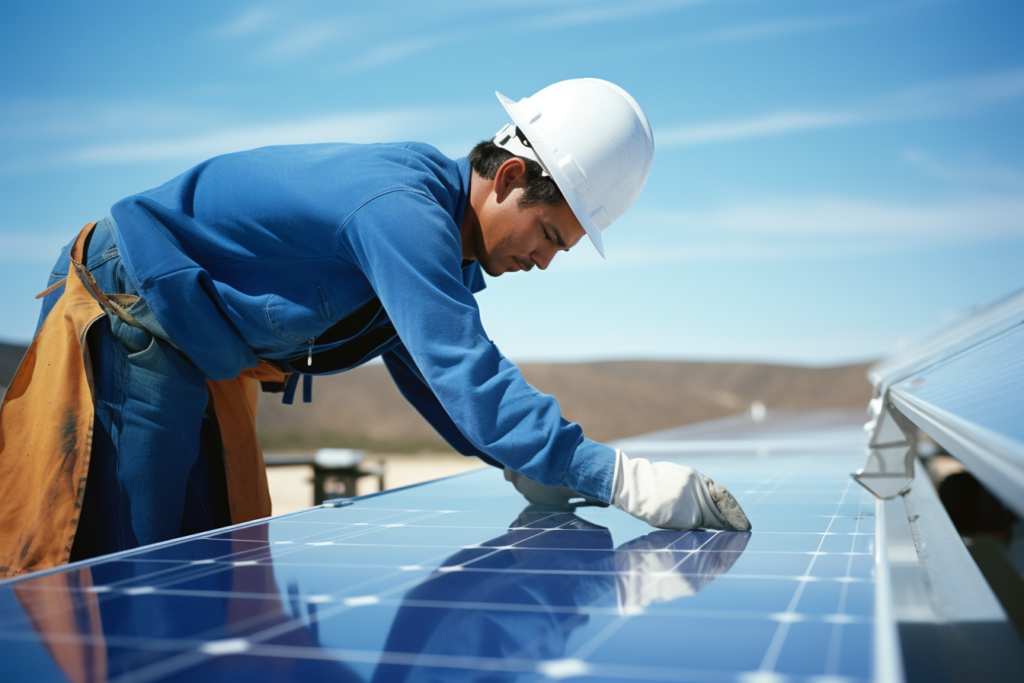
46	428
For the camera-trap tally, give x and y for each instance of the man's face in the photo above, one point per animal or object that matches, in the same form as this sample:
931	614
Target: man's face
511	239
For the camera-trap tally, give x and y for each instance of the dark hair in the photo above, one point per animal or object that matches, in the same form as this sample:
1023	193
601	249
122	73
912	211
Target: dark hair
486	158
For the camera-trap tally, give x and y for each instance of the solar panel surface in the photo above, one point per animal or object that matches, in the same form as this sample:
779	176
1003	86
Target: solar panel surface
983	385
459	579
971	402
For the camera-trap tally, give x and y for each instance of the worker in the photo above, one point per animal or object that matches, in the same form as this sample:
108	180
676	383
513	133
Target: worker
132	417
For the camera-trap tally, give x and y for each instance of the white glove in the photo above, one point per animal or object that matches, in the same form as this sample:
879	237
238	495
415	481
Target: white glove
539	494
671	496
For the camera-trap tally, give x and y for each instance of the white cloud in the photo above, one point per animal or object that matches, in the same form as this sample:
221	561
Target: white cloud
305	38
777	27
953	97
755	127
968	219
23	118
383	35
595	14
282	35
389	125
971	172
773	28
390	53
808	227
252	20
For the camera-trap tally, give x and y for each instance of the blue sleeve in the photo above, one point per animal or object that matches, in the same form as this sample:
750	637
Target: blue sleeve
409	248
415	390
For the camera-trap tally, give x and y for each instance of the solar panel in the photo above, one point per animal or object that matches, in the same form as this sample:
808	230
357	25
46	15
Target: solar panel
460	579
964	388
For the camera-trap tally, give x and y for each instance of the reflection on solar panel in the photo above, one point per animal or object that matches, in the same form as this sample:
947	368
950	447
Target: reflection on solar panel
459	579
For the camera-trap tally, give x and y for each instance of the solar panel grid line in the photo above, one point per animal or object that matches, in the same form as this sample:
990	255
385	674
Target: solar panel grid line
979	385
479	664
133	551
780	479
702	614
835	641
371	657
474	605
568	572
775	647
292	625
551	670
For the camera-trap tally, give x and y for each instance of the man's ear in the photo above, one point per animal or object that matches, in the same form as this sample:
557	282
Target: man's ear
509	176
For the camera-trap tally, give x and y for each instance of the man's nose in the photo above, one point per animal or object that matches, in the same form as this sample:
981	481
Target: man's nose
543	258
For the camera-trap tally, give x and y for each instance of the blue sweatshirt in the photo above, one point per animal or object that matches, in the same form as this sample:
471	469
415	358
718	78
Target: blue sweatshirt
260	254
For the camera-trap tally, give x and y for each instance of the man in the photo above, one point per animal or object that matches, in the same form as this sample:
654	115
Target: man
280	261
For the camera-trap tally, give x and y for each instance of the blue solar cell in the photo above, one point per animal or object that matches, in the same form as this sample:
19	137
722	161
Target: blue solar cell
450	537
460	579
664	641
794	524
806	649
107	575
785	541
207	549
790	509
366	556
983	385
726	594
765	564
822	597
854	654
859	599
843	565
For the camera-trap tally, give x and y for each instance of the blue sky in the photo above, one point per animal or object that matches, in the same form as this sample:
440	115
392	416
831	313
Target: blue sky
831	181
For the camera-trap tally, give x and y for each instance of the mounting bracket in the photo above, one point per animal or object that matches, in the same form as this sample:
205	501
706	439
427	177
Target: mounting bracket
891	440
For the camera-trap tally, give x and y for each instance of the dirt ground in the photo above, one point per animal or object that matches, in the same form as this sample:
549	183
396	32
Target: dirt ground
291	487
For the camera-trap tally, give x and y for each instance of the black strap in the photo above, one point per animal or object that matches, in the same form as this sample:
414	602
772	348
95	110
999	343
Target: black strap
352	324
338	358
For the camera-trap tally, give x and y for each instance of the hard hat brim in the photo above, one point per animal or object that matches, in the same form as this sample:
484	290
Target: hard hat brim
547	160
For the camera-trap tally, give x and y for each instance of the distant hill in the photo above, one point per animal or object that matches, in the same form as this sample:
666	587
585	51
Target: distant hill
611	400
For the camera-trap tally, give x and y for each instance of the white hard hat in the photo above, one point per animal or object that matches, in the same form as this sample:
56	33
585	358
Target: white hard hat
594	141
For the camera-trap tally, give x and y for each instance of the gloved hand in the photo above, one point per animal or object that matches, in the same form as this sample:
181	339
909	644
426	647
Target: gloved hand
539	494
671	496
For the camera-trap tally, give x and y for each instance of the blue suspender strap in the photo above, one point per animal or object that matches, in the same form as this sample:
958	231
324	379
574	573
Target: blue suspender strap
307	388
289	388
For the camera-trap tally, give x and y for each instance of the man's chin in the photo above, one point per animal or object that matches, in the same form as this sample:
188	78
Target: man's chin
490	270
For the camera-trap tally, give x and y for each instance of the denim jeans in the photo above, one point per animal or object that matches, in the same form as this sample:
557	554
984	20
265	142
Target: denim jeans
157	468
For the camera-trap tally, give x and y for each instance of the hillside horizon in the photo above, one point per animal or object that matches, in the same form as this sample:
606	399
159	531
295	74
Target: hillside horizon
614	399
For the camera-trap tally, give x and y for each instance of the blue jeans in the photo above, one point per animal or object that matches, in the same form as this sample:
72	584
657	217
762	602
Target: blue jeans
157	467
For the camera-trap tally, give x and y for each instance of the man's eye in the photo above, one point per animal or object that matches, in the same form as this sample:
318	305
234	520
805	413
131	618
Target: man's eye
547	236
